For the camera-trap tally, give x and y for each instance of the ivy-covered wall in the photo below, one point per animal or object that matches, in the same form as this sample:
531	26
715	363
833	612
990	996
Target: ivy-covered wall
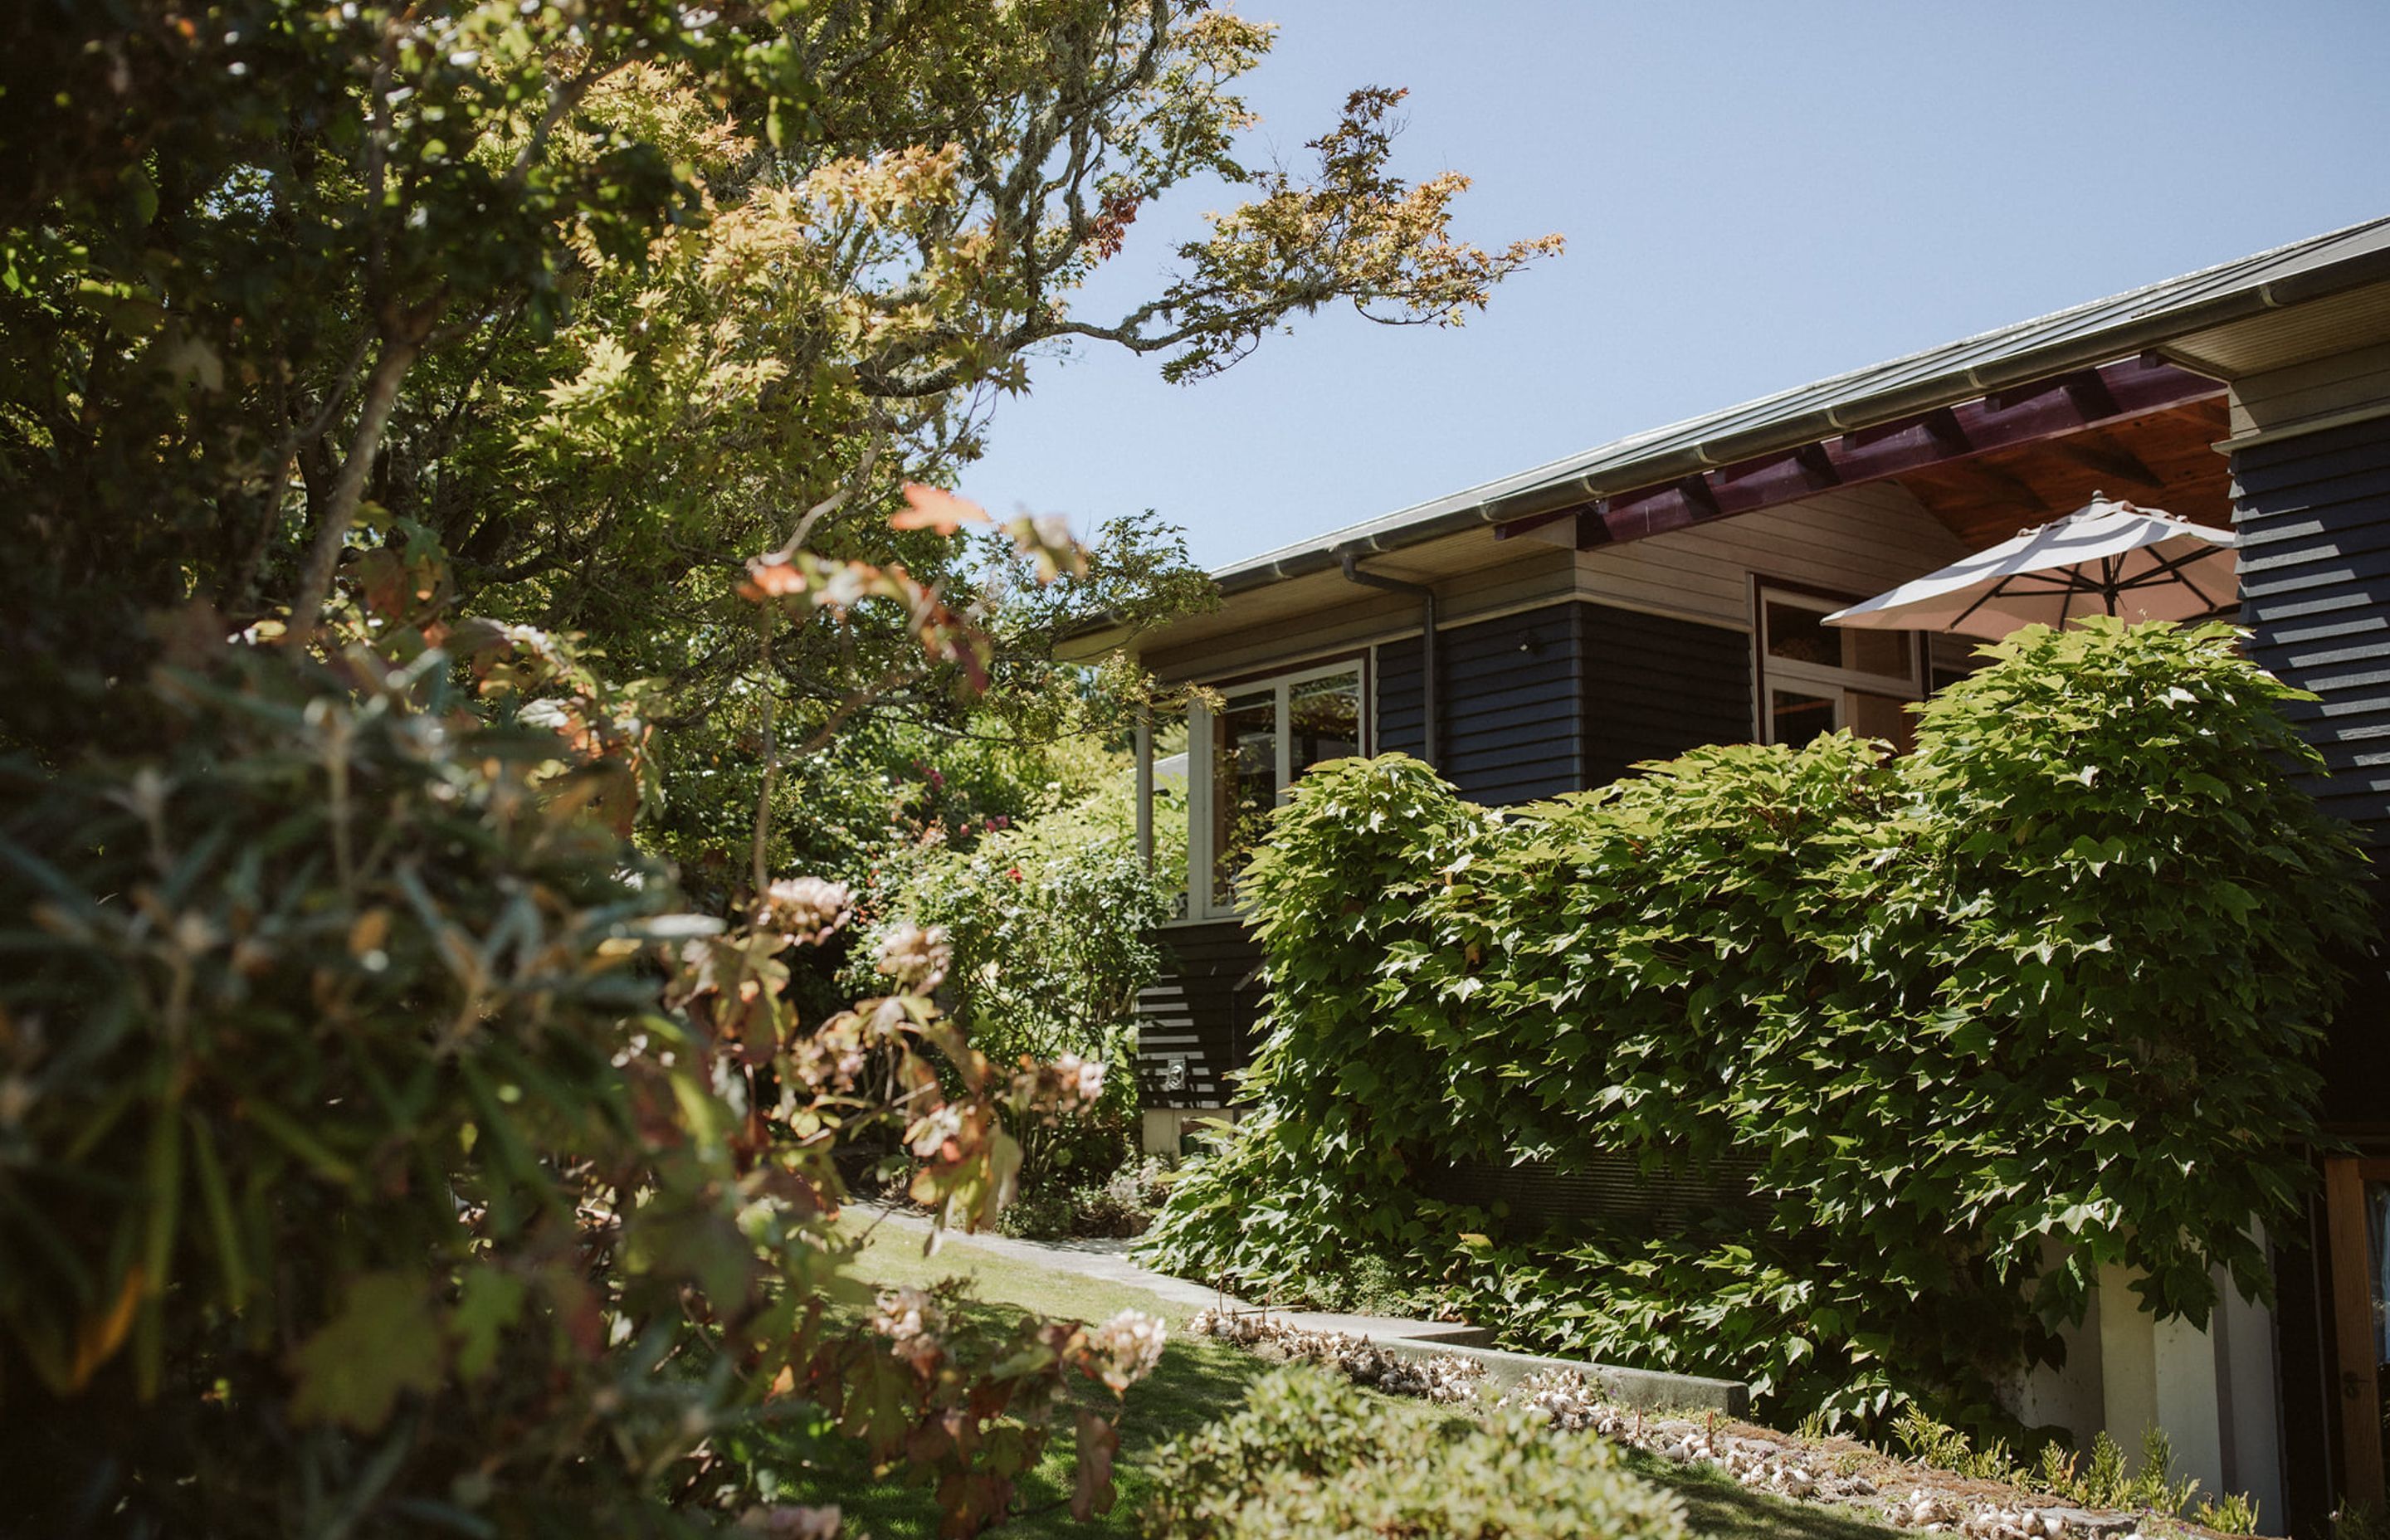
2058	973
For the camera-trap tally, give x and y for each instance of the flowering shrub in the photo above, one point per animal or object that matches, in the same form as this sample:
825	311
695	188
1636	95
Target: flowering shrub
1044	929
2052	977
1121	1204
1310	1457
374	1140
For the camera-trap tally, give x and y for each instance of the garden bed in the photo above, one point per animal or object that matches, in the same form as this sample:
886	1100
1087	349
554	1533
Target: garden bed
1814	1468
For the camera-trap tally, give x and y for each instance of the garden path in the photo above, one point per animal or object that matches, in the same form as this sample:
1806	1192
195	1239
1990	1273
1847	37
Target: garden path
1110	1262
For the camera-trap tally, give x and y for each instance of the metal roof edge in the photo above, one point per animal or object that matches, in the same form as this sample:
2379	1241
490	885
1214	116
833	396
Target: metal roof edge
1557	484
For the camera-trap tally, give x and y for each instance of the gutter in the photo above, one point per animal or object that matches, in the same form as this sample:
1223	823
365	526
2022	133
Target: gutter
2056	358
1431	720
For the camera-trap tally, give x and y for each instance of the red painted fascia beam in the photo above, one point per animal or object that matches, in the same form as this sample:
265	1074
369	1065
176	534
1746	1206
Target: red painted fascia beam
2055	408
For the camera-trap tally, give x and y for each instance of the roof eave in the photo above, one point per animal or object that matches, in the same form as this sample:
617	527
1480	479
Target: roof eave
1484	505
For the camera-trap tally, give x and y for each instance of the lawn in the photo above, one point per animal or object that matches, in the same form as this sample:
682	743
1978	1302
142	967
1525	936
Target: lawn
1197	1381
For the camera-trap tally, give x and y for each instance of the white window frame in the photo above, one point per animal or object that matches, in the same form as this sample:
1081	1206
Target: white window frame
1770	673
1200	859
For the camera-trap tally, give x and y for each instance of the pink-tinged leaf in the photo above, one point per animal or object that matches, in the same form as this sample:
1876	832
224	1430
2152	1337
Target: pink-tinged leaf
928	508
1098	1439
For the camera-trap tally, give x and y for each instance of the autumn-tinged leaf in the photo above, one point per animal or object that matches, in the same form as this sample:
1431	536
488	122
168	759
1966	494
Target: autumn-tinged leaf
386	1341
771	580
928	508
1099	1440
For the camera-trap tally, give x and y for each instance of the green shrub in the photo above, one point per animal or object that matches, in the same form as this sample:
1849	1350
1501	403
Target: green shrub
2050	979
1309	1457
1118	1205
1049	922
377	1156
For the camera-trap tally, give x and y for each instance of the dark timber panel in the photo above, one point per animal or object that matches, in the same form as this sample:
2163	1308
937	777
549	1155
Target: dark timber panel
1509	695
1655	687
2314	515
1202	1009
1533	1196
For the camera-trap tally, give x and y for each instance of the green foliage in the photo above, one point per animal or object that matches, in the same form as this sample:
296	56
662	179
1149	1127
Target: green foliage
1061	1208
550	401
1310	1457
292	1018
2098	1482
2237	1514
1050	920
565	310
1945	1448
377	1152
2103	1482
2043	989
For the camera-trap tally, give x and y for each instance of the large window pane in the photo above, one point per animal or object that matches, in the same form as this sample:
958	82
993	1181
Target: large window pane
1794	718
1244	786
1323	721
1798	634
1882	716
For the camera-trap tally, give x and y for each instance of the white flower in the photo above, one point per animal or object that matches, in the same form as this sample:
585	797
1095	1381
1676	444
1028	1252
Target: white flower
931	1132
1125	1349
808	910
911	1320
916	958
1083	1081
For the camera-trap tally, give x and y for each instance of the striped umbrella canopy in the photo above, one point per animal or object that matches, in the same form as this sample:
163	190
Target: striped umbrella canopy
2104	559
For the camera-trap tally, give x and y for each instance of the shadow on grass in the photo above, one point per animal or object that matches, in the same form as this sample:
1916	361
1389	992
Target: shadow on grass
1717	1507
1196	1382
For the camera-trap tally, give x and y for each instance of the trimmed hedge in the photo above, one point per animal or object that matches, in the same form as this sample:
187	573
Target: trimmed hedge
2037	997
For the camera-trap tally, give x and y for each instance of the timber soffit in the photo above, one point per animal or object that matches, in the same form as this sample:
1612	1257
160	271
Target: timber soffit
2068	341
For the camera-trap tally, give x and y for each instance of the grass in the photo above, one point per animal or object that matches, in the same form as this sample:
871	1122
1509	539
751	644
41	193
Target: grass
1717	1506
1198	1380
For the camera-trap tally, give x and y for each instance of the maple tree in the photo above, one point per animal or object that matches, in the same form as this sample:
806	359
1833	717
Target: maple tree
428	434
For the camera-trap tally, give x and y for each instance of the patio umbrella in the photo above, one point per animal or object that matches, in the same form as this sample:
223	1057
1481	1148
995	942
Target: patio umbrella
2104	559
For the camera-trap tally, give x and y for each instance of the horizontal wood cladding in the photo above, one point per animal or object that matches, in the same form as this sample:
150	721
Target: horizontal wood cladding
1535	1196
1202	1010
2311	389
1568	697
1508	691
1857	542
1656	686
1321	613
2314	515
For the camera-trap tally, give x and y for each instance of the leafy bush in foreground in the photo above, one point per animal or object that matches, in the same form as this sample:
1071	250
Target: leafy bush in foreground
376	1157
1311	1457
2045	986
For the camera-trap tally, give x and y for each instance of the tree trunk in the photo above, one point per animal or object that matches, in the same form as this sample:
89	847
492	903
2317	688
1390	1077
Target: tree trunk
348	491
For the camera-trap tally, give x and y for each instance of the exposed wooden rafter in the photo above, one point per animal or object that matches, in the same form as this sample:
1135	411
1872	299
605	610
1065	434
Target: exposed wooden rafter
2053	409
2099	451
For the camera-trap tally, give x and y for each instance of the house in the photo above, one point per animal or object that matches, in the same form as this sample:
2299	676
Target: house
1543	632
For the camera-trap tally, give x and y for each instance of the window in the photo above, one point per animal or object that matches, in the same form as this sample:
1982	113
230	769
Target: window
1250	751
1814	677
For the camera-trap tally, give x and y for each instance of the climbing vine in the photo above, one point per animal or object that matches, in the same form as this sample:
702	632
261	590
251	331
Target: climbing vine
1967	1024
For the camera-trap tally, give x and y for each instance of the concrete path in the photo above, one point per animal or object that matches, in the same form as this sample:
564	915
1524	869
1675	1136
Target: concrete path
1109	1261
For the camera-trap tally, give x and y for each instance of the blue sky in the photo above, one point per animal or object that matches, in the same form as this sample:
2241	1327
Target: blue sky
1755	195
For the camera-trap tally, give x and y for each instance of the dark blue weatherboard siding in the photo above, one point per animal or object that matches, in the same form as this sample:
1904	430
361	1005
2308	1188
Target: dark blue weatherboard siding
1655	687
1535	704
1202	1009
1568	697
2314	517
1510	697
